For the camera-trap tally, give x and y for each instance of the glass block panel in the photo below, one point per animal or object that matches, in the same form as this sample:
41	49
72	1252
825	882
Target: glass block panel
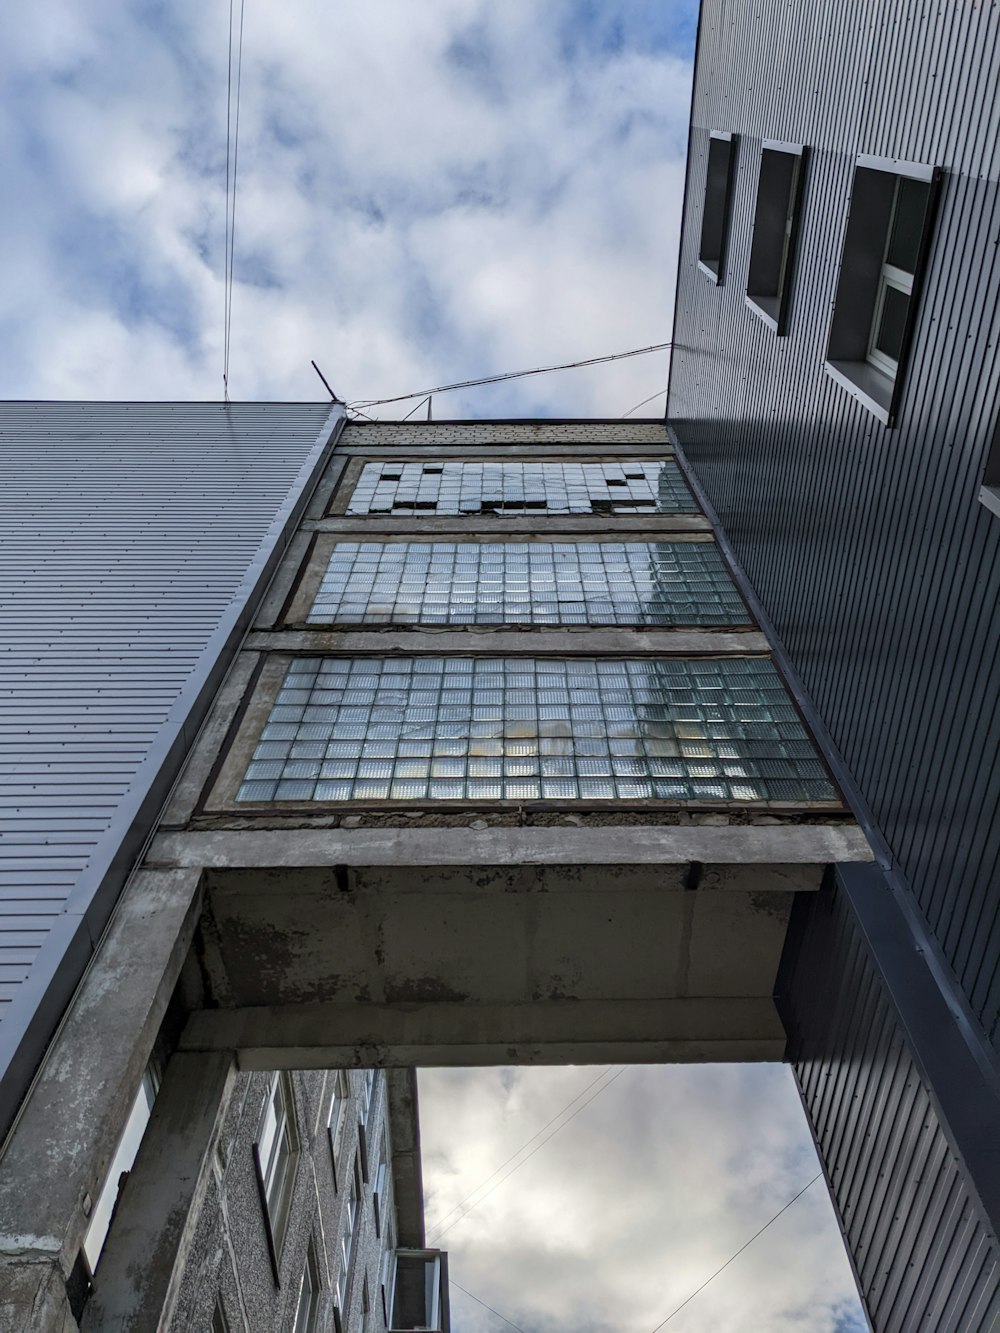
537	583
664	729
454	488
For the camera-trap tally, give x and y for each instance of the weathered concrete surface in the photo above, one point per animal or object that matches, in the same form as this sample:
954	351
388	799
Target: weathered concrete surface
58	1152
407	1173
33	1297
139	1277
304	1036
749	849
549	640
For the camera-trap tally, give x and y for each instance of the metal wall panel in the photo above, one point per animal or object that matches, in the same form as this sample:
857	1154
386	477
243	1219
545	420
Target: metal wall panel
923	1253
868	546
130	532
880	570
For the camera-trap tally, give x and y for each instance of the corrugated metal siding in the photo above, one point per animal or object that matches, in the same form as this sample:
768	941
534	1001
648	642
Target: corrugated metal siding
868	546
923	1253
128	530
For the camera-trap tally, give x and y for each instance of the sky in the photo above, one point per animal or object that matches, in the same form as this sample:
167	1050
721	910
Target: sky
425	192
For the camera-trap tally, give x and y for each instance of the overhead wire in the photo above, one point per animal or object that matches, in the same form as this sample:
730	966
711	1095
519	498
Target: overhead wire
453	1283
770	1222
644	402
444	1230
232	155
557	1116
509	375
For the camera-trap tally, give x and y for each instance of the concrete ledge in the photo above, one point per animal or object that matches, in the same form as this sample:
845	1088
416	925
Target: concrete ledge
491	527
320	1036
545	640
741	846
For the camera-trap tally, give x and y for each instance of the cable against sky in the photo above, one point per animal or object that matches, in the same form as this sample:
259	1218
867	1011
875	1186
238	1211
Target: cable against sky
358	403
232	156
558	1115
444	1230
663	1323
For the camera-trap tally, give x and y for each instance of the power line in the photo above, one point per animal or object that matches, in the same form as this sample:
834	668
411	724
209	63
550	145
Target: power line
444	1231
453	1283
231	195
520	1150
509	375
737	1254
644	402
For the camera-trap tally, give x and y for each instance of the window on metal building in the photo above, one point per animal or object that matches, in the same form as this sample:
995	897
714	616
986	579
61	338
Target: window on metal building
878	292
716	205
775	228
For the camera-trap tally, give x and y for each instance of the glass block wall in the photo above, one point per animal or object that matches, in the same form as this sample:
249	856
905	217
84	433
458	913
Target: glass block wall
517	729
539	583
456	488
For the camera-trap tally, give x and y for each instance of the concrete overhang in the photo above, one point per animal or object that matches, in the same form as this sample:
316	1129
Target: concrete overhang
460	946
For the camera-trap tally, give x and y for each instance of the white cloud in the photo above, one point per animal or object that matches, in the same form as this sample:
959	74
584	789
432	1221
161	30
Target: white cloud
622	1214
424	194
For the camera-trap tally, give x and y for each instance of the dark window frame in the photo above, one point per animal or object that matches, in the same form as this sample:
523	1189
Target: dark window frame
717	204
776	226
870	216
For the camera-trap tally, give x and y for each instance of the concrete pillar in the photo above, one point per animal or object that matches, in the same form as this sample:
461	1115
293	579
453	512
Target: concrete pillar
57	1155
138	1278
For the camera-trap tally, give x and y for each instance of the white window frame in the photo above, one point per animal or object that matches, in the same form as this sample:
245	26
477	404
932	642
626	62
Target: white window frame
899	280
276	1175
337	1118
349	1234
307	1305
120	1166
380	1194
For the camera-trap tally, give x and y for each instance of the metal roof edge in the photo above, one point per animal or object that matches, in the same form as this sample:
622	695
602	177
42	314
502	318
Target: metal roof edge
37	1010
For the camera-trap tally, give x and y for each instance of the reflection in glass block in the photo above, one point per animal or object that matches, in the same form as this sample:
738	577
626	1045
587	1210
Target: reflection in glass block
540	729
415	489
595	583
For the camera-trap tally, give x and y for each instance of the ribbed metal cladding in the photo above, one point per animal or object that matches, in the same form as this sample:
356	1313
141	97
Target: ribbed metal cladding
868	546
923	1253
129	531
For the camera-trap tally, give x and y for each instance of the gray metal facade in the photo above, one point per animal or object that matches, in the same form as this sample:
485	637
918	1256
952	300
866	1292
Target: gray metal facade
135	536
878	566
923	1253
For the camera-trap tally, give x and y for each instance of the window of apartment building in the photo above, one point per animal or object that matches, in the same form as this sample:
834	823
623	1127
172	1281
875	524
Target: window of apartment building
275	1155
716	205
380	1198
882	266
337	1118
388	1265
775	228
364	1111
121	1164
349	1235
307	1306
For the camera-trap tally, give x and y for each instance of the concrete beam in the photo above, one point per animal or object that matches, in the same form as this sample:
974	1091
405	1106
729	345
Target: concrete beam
319	1036
779	852
138	1280
546	640
56	1156
608	527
